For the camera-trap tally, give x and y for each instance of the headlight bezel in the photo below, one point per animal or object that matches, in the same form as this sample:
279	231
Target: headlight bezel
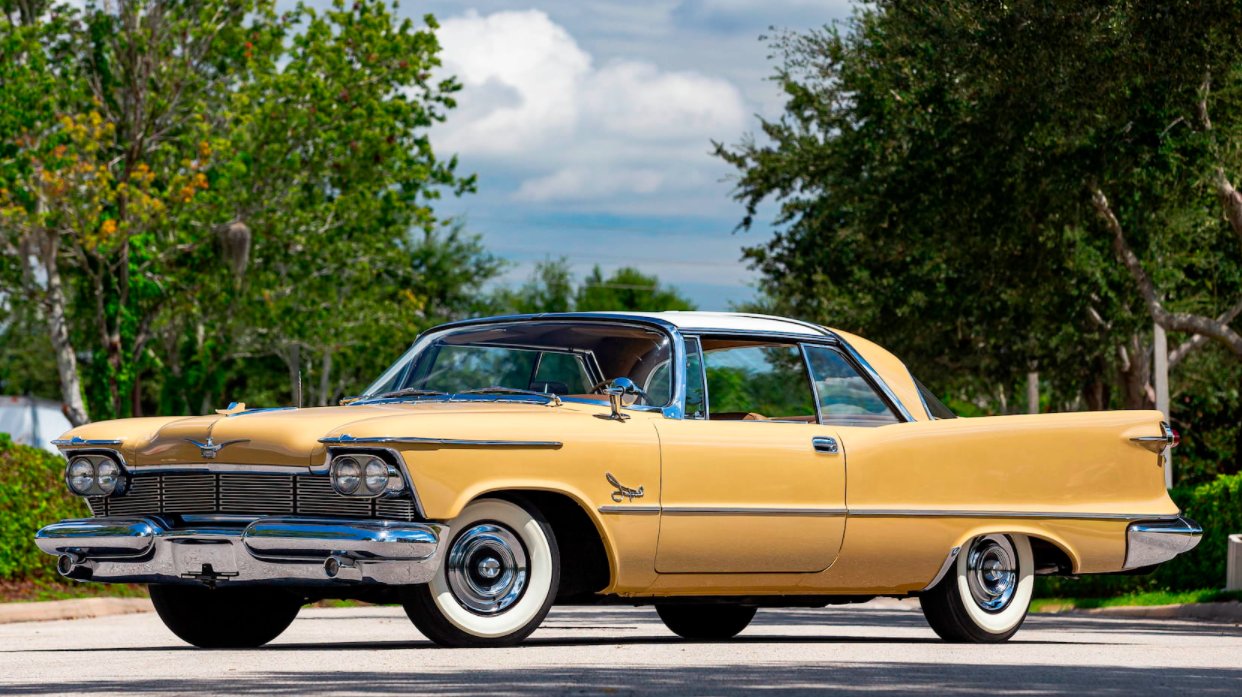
393	484
111	464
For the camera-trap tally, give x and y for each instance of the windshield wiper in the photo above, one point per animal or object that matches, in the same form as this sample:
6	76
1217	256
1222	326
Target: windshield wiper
409	392
497	389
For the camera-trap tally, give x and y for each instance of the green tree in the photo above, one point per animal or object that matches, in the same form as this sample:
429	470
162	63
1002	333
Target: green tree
551	289
628	289
935	167
222	184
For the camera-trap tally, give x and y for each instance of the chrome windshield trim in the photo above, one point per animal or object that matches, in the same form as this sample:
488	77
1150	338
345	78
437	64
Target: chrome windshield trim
752	510
675	409
1064	515
345	440
76	442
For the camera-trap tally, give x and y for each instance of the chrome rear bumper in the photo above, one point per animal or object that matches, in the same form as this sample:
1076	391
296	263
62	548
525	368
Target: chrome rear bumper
291	550
1150	542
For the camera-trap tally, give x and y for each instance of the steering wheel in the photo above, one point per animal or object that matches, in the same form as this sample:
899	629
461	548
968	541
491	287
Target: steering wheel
620	385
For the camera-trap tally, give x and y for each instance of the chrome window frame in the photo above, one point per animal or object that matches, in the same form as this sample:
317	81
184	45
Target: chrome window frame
675	409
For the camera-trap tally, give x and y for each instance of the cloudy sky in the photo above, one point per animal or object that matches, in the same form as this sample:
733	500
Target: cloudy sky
590	123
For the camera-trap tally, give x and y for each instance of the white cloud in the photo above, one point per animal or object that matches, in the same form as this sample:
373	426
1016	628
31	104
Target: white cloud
536	104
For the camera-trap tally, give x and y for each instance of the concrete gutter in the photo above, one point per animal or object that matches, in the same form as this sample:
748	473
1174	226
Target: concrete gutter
72	609
1227	613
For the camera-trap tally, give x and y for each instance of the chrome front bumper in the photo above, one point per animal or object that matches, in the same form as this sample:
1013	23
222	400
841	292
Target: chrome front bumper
291	550
1150	542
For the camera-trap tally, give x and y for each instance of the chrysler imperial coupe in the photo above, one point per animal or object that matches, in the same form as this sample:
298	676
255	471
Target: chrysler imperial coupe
706	464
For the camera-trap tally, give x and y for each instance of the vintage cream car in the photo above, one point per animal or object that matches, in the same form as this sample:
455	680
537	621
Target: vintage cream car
707	464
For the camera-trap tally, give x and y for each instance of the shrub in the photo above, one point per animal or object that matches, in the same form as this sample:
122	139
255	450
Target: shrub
1217	506
32	494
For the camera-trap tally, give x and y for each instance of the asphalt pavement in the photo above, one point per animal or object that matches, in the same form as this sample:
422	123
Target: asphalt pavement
873	650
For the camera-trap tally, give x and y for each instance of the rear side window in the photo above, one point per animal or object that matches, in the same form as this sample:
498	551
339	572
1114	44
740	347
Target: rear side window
845	397
756	381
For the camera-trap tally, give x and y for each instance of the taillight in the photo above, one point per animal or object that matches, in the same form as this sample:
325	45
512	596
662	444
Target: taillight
1176	439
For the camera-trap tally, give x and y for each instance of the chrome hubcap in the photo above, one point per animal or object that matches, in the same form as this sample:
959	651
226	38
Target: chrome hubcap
992	572
486	568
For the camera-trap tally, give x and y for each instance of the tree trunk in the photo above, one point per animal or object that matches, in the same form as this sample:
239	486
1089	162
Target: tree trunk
325	378
58	330
1135	375
1096	393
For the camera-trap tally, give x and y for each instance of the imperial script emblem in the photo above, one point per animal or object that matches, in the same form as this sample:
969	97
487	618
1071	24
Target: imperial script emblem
209	449
622	490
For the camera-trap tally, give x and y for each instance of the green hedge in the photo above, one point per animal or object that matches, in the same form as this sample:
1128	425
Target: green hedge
1217	506
32	494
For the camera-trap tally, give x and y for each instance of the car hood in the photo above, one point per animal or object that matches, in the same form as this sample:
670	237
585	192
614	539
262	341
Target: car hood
292	436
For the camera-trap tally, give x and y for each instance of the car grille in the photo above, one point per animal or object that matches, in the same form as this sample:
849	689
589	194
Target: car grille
244	494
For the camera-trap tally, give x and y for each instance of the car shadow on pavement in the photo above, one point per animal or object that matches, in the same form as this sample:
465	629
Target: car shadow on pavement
779	679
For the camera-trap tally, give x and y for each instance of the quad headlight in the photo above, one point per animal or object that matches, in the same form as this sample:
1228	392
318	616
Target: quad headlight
364	475
94	475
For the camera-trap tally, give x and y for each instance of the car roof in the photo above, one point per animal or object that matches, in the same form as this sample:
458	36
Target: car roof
737	321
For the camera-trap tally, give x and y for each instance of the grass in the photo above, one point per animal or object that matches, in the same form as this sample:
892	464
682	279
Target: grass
39	589
1135	599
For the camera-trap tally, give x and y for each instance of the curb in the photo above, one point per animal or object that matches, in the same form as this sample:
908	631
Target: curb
72	609
1228	613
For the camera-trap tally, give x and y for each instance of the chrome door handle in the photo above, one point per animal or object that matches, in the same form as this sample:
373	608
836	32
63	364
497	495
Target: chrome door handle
825	444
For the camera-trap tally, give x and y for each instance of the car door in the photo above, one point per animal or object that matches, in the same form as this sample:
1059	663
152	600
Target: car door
757	484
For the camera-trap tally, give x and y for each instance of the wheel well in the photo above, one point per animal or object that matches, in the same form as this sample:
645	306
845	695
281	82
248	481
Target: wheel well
584	562
1049	558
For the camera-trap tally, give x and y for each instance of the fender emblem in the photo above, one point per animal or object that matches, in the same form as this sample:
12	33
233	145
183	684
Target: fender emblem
622	491
209	449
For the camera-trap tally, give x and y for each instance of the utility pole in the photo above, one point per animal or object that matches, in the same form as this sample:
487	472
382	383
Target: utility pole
1160	349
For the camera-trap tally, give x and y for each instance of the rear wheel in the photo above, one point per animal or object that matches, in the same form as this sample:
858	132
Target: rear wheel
225	618
497	581
706	622
985	596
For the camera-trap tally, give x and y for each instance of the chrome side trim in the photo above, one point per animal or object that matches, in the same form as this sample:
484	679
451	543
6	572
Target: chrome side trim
630	510
76	442
1158	444
346	439
940	513
752	510
944	568
1151	542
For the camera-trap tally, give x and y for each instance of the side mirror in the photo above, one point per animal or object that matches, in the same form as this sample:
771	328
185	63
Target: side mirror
617	389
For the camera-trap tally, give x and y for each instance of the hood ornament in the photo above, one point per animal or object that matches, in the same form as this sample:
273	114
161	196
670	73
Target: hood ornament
622	490
209	449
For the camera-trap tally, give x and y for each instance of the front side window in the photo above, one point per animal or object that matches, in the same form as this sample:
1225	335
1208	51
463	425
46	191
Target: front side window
845	397
751	380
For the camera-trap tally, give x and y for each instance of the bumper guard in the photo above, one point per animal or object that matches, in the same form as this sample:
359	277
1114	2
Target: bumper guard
1150	542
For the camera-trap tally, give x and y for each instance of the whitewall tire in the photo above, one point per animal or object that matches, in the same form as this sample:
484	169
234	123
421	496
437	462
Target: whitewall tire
986	594
497	578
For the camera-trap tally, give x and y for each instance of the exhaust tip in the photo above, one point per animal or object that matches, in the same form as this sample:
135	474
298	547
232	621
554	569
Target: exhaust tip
65	564
332	566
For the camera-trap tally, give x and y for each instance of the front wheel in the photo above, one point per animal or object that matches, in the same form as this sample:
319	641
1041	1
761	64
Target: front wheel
706	622
985	596
496	582
225	618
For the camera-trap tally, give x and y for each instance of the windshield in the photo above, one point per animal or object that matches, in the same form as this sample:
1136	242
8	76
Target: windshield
567	359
